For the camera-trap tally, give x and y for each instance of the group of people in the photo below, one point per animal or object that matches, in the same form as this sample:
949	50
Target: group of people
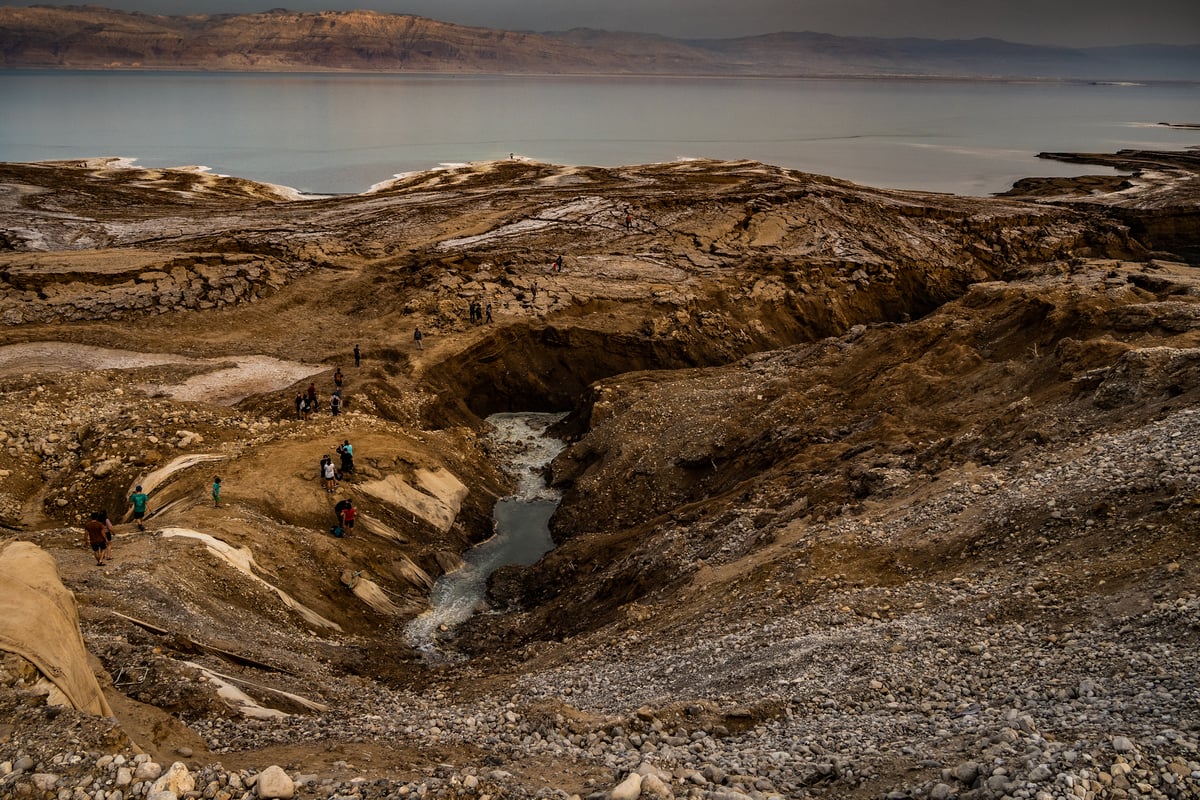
479	313
99	528
331	474
308	403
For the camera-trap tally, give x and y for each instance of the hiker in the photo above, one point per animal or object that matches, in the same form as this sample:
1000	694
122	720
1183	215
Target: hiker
106	524
417	336
558	263
357	357
329	473
533	290
340	509
216	492
312	396
96	539
305	407
489	313
139	500
338	377
628	220
299	406
335	403
346	451
348	515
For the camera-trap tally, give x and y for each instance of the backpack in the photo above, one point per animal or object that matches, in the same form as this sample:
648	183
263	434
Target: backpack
337	532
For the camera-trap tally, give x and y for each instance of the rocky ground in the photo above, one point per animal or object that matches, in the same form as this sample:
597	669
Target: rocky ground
867	494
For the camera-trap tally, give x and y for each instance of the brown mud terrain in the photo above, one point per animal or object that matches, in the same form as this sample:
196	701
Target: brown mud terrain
866	493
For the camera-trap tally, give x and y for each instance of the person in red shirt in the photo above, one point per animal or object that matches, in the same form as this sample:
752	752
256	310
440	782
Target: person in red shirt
348	515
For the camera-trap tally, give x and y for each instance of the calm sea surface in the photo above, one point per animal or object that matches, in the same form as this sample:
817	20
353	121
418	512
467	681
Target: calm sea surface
343	133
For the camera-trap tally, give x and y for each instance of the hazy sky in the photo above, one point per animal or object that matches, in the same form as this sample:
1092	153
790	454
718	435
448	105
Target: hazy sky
1067	22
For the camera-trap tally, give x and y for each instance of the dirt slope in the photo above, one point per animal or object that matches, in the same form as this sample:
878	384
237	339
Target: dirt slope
848	471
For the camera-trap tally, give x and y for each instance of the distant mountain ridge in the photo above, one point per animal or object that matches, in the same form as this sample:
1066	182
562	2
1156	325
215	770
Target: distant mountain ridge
90	37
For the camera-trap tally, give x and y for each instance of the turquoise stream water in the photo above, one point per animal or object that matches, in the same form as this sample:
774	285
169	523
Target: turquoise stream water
522	532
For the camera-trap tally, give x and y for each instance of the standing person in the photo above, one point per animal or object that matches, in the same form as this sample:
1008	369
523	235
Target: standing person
96	539
533	289
346	451
340	509
417	337
330	475
335	403
106	524
216	492
357	357
299	406
628	219
139	499
348	515
338	377
489	313
558	263
312	396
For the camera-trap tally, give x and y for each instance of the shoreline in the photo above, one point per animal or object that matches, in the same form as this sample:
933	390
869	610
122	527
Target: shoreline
674	76
295	194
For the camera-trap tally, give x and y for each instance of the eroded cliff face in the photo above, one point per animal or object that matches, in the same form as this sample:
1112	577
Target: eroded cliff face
793	400
279	40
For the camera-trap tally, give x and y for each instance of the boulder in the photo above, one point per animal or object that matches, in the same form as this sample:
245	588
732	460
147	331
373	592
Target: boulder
276	784
628	789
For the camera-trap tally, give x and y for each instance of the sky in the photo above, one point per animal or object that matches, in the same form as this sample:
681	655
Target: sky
1074	23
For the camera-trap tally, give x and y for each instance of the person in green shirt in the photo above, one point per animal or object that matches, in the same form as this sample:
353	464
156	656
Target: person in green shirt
139	500
216	492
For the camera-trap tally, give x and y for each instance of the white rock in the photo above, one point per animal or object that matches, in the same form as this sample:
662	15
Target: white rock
177	779
273	782
628	789
46	781
653	786
147	771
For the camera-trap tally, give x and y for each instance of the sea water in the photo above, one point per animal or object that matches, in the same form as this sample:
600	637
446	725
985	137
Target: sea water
343	133
521	524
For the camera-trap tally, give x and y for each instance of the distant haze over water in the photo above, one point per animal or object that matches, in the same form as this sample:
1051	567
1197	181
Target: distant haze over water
342	133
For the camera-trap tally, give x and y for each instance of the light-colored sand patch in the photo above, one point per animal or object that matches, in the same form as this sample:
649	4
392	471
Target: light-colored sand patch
38	357
231	379
438	504
155	479
239	701
374	595
248	375
242	559
444	485
372	525
544	218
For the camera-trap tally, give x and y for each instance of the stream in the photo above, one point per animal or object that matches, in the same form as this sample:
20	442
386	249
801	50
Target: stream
521	523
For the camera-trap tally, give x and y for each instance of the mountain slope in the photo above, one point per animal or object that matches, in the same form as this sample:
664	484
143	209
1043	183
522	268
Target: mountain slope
89	37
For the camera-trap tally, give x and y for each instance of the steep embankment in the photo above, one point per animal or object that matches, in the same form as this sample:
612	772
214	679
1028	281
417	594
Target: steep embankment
89	37
866	492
